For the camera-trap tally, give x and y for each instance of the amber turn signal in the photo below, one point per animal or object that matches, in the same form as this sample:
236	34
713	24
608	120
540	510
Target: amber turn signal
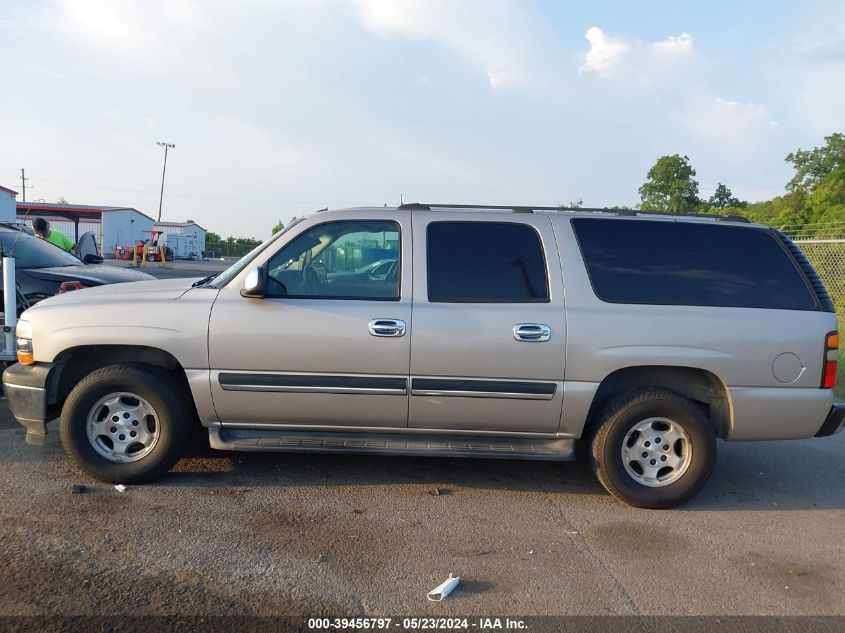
24	349
25	358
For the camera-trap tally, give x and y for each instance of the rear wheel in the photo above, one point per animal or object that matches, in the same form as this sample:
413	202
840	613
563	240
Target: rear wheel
653	448
125	424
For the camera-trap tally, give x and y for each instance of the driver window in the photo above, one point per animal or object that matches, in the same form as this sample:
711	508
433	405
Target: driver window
339	260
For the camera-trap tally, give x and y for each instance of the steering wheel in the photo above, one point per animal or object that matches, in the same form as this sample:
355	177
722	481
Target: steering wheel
312	280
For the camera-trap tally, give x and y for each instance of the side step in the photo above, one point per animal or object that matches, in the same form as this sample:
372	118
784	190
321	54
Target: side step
226	439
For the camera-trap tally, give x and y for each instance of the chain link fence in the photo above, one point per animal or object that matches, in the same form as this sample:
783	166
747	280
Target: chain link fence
227	249
828	258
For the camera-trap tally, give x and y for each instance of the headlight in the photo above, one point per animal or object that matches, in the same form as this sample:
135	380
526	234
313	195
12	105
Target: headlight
23	340
24	346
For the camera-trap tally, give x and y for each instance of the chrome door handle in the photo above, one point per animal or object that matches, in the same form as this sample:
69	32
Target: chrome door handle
532	332
387	327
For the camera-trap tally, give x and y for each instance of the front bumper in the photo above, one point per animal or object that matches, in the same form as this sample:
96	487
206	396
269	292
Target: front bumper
26	389
835	420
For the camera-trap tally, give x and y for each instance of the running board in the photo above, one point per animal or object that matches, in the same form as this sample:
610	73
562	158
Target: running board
225	439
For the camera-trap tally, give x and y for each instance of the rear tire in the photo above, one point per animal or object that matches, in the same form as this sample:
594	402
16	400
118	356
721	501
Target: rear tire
645	473
113	402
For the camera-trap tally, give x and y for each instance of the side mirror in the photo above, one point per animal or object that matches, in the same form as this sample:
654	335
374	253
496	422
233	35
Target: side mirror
254	284
91	258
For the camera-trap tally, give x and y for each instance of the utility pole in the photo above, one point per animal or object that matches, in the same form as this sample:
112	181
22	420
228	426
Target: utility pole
166	146
23	184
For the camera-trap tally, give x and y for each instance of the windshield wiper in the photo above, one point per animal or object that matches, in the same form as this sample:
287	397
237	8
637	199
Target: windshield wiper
204	281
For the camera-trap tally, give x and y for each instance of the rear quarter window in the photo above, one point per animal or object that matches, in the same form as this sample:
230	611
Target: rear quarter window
690	263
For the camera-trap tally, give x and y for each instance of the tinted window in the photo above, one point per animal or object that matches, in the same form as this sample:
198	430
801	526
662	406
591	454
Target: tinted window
485	262
339	260
685	263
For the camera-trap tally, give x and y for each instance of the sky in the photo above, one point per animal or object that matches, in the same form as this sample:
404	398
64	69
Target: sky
281	107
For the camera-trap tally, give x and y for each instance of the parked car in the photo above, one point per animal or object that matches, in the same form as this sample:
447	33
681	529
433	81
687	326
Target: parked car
41	267
505	333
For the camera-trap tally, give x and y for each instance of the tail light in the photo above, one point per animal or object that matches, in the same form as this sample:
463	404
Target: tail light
831	359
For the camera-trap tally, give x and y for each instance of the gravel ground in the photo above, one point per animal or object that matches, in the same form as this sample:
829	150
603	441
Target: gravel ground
308	535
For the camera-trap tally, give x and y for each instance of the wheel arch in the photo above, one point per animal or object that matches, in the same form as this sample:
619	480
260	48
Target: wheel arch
701	386
73	364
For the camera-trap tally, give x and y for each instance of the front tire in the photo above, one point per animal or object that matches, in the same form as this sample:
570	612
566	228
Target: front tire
653	448
125	424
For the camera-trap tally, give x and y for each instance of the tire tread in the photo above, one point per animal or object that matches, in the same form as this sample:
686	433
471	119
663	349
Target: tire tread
611	411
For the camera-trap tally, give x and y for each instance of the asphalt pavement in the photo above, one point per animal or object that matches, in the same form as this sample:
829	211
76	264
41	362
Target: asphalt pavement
310	535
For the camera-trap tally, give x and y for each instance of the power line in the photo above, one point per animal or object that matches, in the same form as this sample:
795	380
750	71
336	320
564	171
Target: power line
203	197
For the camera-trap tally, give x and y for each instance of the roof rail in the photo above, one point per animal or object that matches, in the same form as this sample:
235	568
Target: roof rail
418	206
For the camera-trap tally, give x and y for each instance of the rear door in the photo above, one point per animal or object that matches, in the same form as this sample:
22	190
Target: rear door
489	337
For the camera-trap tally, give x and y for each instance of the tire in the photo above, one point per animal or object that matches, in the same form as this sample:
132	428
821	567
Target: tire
626	425
151	258
169	423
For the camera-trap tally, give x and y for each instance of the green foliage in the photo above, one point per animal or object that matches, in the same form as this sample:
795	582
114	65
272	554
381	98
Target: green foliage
277	228
670	186
814	205
212	238
813	166
724	198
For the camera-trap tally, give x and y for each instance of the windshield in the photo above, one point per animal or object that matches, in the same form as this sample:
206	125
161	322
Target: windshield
33	252
232	271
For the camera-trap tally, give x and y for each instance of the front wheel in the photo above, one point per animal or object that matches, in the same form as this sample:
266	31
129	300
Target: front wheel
653	448
125	424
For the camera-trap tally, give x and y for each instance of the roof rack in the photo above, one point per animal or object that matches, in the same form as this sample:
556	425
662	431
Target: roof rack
418	206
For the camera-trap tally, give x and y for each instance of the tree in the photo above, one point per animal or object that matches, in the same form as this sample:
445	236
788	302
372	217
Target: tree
812	166
724	198
212	238
189	221
670	186
277	228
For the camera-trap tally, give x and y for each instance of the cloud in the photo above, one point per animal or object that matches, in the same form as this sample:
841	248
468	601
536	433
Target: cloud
621	58
714	120
812	67
674	45
605	54
500	38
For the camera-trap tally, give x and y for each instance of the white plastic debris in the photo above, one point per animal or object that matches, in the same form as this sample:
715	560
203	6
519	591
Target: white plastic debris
441	591
120	488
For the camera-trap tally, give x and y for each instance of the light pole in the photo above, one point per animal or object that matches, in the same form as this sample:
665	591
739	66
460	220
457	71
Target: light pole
166	146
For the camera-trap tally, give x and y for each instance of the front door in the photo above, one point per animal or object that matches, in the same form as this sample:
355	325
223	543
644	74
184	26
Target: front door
329	345
489	340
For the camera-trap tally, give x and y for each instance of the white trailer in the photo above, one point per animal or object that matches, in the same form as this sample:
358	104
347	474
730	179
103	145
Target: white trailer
184	246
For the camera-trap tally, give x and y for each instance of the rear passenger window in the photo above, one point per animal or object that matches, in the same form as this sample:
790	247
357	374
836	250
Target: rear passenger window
485	262
690	263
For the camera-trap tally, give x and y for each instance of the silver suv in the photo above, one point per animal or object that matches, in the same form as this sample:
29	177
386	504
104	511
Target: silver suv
445	330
